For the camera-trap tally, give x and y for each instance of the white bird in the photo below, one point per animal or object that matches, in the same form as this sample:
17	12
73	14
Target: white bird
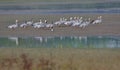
49	25
23	25
98	20
14	25
29	22
68	22
75	18
58	22
77	22
80	20
38	23
39	26
71	18
88	21
46	21
61	21
85	23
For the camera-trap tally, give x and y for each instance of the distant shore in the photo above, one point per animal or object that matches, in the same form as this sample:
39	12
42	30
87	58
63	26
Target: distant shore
110	26
55	1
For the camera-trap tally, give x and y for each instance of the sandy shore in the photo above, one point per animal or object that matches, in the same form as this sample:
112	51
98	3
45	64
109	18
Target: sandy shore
110	26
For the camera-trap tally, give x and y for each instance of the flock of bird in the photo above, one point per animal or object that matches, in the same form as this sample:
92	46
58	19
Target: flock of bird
73	21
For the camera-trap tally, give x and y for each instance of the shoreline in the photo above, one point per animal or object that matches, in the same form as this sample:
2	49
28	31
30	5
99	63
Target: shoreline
109	27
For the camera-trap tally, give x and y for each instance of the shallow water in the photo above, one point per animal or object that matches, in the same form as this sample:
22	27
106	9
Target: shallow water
59	8
59	42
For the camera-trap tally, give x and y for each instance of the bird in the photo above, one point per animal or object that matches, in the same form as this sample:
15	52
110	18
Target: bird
77	22
39	24
98	20
80	20
69	22
88	21
85	23
71	18
14	25
46	21
23	25
29	22
61	21
49	25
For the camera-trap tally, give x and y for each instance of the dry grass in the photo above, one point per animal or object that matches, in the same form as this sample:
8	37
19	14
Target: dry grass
59	59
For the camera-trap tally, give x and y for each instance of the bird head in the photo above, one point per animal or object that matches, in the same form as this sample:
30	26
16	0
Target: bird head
71	18
100	17
81	18
16	21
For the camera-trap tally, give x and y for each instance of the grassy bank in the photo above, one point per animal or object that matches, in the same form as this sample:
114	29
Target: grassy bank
59	59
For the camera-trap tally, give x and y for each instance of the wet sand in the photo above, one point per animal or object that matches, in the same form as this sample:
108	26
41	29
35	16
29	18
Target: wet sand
109	26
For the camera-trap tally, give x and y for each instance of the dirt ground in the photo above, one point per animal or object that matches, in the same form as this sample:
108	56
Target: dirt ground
109	26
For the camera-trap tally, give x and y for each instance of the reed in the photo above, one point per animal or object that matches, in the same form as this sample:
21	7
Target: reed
59	59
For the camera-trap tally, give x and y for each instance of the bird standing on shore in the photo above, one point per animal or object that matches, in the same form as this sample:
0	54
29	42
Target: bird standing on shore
23	25
14	25
85	23
98	20
38	24
29	22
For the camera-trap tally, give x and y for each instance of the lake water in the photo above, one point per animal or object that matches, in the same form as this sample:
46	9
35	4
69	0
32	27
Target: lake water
62	42
59	8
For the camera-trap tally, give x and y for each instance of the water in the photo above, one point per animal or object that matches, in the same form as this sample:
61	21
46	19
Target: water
62	42
60	8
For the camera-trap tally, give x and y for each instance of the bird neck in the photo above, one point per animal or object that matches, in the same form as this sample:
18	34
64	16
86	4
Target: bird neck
16	23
